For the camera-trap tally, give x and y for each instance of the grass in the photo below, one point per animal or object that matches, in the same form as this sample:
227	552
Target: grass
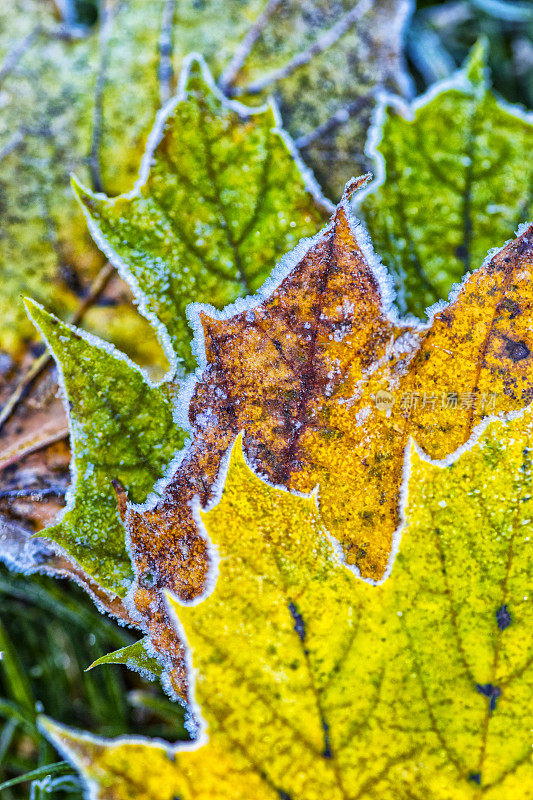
49	633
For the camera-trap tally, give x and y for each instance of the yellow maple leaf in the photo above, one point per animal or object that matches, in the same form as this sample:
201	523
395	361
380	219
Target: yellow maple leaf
310	684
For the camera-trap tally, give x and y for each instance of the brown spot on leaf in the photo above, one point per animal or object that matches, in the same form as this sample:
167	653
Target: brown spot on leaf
516	351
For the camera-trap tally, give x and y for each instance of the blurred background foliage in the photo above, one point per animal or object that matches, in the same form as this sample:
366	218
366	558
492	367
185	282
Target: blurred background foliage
50	631
440	36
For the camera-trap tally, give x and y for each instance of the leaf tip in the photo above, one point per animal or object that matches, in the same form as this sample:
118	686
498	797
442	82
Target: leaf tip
476	69
50	728
83	194
30	304
38	314
354	185
196	76
73	746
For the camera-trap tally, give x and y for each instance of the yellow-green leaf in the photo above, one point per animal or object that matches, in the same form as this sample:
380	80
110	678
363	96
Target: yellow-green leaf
312	684
326	99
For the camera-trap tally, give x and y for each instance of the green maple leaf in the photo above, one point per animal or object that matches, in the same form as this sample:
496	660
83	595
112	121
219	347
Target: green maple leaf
456	182
338	80
313	684
222	201
122	429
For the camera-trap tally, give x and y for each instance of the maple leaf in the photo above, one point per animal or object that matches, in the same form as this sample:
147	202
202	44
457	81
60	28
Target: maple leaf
223	199
453	182
122	429
304	368
312	684
324	62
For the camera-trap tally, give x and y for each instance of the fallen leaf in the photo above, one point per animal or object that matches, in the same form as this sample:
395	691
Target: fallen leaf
455	181
147	47
311	684
34	455
326	99
325	82
43	427
219	199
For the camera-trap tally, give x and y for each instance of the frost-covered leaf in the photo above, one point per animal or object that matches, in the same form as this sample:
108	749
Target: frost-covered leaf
311	684
328	386
222	201
135	656
457	180
369	54
69	104
338	79
122	429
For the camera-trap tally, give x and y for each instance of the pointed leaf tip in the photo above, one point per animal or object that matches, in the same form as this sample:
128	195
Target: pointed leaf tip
134	656
196	68
476	68
41	318
353	185
32	304
83	194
